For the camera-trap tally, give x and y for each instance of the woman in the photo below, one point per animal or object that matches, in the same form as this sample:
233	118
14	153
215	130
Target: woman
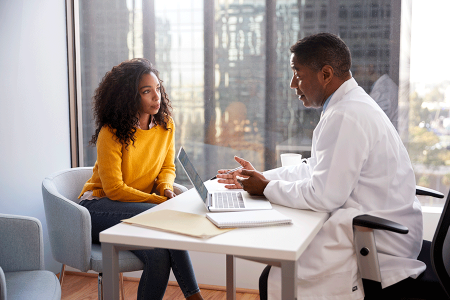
135	154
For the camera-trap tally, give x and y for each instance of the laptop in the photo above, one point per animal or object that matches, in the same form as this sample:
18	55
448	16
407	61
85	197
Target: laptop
220	201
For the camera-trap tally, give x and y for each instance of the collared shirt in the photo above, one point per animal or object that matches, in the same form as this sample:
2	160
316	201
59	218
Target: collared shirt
150	126
326	103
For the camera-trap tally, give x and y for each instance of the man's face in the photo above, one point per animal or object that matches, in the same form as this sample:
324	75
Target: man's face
308	84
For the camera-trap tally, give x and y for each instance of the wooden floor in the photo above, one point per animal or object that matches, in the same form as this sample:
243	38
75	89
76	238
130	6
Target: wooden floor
78	286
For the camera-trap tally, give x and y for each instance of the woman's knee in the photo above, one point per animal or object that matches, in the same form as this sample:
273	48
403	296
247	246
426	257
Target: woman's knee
154	257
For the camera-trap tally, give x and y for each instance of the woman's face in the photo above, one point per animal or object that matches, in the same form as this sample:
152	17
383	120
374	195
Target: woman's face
150	91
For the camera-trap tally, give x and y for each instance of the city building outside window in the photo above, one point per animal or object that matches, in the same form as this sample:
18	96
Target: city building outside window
225	66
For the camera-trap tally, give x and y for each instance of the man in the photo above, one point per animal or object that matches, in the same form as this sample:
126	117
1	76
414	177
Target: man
358	165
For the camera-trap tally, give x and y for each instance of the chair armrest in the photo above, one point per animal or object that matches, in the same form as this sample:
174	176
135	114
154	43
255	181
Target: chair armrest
423	191
21	243
379	223
365	246
69	228
178	188
2	285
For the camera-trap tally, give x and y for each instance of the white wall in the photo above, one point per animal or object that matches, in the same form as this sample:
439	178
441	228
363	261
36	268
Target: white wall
431	217
34	111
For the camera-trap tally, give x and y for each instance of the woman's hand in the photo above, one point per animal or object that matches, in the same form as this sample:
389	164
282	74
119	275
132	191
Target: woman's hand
231	179
169	194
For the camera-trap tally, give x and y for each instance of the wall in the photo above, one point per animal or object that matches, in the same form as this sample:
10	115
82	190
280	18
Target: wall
431	217
34	113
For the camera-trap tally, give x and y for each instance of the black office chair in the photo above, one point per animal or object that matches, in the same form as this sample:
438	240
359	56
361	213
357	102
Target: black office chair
433	283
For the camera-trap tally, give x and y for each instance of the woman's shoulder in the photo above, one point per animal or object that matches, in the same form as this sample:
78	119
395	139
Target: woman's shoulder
107	134
106	130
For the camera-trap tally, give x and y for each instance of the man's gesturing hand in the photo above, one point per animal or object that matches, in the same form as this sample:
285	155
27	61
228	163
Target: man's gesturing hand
255	182
230	179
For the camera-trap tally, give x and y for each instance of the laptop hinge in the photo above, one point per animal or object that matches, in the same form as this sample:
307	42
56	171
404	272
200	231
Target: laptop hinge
209	200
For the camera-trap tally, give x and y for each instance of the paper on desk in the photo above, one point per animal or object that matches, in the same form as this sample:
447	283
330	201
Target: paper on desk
177	222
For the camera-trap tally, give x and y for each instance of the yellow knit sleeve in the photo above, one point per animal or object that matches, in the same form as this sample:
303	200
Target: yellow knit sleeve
109	159
166	176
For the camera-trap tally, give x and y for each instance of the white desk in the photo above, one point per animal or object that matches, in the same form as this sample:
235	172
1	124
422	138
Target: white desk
276	245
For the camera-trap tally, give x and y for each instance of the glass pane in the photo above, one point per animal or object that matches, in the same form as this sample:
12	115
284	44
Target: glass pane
239	83
106	29
217	72
429	109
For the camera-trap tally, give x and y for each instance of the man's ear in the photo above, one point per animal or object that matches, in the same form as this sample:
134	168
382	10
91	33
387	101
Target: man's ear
327	74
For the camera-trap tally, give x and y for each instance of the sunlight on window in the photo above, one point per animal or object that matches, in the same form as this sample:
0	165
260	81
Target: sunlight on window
214	64
429	116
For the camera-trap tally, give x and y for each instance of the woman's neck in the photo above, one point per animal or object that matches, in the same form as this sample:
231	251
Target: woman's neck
144	121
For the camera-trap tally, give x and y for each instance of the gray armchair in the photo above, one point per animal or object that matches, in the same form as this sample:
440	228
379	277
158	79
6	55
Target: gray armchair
22	274
69	226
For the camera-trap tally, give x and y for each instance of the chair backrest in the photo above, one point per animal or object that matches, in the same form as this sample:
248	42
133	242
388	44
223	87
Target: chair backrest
69	224
440	248
70	182
21	243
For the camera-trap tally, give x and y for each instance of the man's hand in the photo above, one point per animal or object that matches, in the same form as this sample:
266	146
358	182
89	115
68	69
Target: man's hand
169	194
230	179
255	182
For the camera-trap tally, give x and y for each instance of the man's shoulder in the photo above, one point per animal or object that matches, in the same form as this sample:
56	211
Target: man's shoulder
356	101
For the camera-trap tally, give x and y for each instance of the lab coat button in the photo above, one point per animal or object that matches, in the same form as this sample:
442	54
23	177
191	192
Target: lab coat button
364	251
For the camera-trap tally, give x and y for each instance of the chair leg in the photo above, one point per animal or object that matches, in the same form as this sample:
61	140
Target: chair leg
100	286
61	274
121	286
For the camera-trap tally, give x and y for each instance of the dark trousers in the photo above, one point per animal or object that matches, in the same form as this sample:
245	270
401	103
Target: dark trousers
106	213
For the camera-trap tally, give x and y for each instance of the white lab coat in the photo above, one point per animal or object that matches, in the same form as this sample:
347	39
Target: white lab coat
358	165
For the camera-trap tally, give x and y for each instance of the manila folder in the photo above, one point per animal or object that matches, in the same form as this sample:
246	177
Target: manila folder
177	222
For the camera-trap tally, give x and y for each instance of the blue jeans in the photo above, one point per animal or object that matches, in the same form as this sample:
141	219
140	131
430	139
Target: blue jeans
157	262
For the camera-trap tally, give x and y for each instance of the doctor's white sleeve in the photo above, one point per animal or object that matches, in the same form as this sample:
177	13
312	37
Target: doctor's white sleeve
341	148
289	173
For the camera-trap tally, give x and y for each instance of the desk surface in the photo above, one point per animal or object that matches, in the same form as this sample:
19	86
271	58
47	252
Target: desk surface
285	242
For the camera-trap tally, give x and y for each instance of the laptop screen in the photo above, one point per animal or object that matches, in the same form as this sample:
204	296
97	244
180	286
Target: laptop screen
193	175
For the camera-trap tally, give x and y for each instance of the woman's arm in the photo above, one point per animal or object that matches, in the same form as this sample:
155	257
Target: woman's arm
166	176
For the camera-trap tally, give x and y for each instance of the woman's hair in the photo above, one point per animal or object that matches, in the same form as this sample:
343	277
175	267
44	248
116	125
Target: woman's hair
116	101
318	50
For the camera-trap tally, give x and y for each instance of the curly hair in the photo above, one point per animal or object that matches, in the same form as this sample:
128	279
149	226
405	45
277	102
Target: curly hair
116	101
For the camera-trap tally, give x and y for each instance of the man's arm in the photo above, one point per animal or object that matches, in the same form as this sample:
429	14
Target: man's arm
340	151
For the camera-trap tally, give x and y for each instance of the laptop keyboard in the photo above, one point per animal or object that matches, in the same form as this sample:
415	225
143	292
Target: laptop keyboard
228	200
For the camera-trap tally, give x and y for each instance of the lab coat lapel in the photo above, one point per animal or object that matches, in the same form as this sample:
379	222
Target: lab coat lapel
345	88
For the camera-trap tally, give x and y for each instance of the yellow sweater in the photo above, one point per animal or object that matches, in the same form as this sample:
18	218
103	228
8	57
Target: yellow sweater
128	175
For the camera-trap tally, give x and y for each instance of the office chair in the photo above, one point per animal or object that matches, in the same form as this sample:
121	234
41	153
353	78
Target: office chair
22	274
69	226
433	283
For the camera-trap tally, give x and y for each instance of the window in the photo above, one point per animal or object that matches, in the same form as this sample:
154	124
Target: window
226	103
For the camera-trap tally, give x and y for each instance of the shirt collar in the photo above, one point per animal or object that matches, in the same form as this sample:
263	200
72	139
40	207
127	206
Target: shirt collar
326	102
150	126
